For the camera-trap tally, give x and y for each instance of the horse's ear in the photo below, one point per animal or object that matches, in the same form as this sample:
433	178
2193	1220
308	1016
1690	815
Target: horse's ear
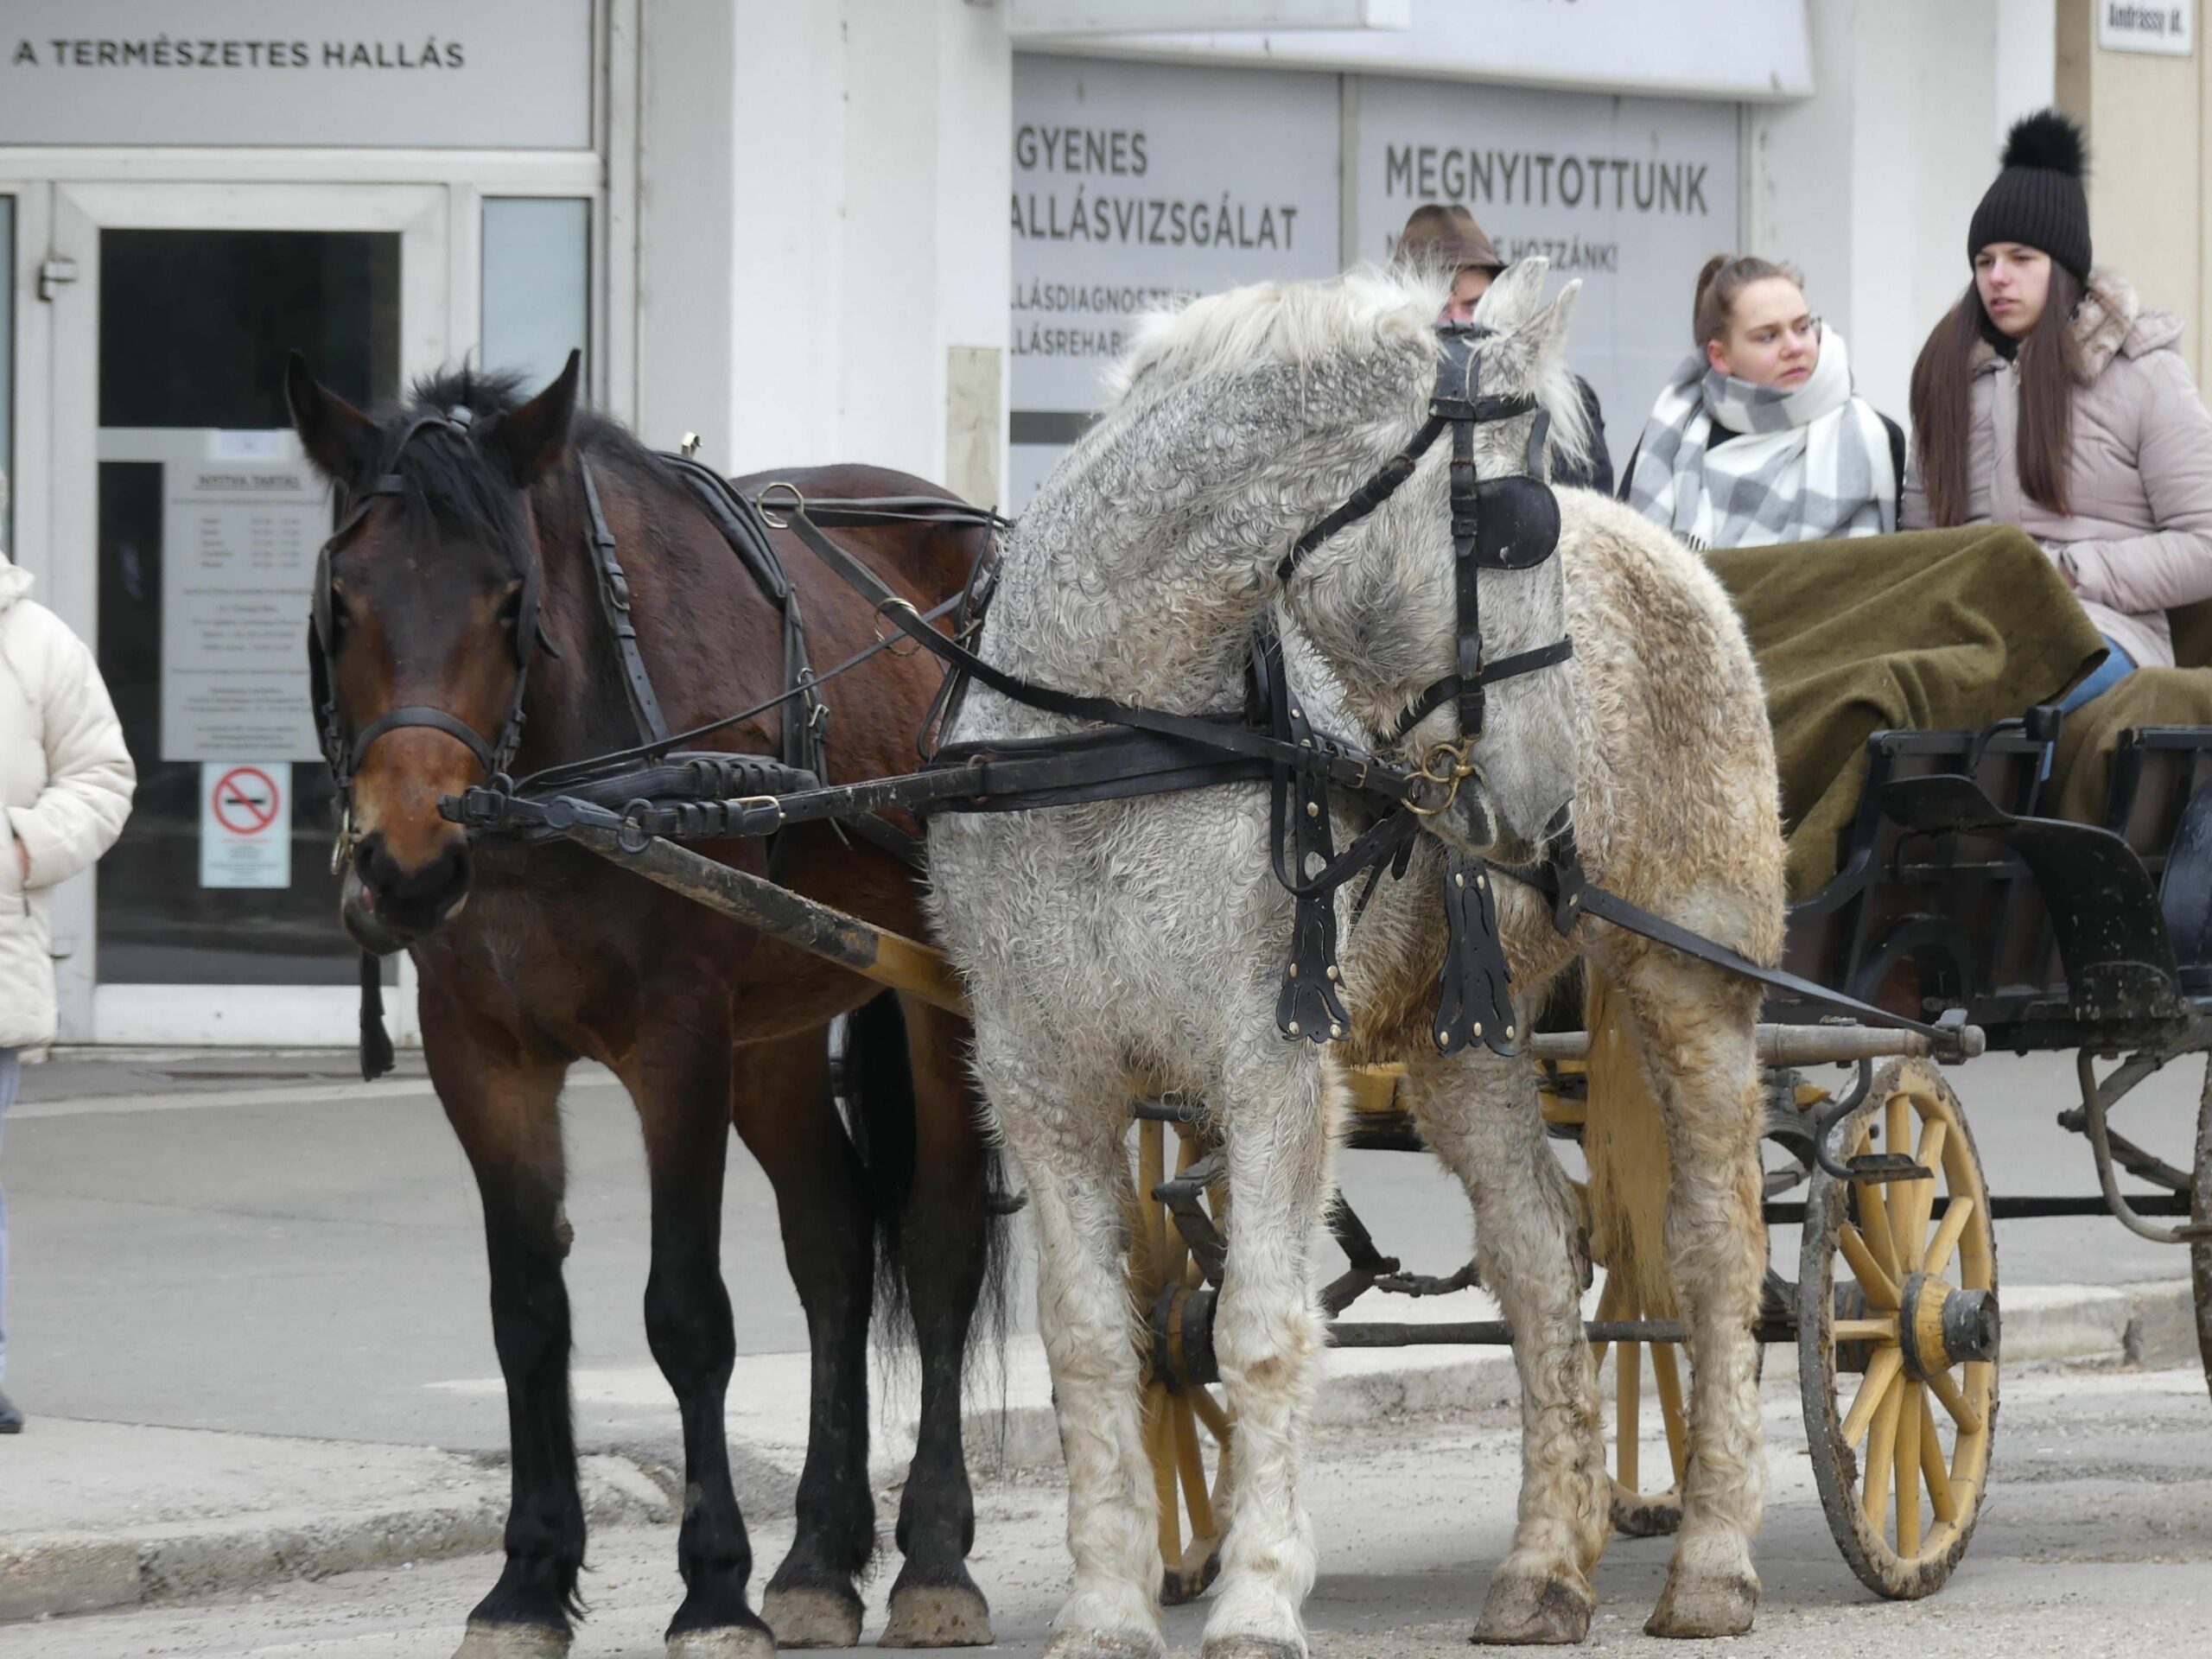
338	439
531	440
1512	298
1548	329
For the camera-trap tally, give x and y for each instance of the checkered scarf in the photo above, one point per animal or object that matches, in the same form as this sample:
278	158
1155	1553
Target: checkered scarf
1808	463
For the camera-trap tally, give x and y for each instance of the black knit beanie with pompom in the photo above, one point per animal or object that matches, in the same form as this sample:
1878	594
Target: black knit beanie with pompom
2038	199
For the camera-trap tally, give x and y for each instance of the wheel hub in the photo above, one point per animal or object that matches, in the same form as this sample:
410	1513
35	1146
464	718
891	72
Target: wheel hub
1940	1326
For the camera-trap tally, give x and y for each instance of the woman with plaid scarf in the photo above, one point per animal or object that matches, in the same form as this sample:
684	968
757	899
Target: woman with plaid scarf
1760	437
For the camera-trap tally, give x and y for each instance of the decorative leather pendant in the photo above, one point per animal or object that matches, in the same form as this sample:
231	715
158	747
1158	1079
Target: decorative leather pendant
1474	1000
1309	1007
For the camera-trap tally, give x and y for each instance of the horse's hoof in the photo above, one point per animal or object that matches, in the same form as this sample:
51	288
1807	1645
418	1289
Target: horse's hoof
725	1642
1249	1647
937	1616
1103	1644
1701	1608
806	1616
1531	1612
484	1641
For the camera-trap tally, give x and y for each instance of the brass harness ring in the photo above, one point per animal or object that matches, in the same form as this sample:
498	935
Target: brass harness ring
797	505
896	603
1446	763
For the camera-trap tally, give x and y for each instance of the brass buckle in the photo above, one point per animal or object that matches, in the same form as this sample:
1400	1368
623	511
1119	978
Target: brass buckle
797	503
906	605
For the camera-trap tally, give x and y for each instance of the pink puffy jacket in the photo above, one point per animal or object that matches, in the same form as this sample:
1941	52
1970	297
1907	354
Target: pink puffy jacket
2138	541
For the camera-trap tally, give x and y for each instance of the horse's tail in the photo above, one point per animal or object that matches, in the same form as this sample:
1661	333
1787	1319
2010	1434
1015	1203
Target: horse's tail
874	1086
1624	1142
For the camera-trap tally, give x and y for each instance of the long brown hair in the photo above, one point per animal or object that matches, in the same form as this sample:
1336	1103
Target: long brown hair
1943	400
1719	285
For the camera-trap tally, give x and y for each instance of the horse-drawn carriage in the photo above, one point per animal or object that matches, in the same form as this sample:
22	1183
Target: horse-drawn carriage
1958	916
1952	900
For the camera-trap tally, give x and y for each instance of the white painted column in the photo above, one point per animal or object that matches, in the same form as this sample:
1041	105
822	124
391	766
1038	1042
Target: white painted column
824	271
1870	184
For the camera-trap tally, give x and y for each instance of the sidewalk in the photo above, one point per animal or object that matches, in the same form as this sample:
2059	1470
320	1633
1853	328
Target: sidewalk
101	1515
215	1255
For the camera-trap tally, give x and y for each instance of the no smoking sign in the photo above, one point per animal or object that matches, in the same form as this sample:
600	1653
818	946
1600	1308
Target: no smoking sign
245	823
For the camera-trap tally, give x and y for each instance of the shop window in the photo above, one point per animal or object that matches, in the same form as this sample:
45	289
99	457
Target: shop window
537	296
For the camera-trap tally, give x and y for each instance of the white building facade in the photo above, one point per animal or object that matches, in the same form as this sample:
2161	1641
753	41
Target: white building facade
908	232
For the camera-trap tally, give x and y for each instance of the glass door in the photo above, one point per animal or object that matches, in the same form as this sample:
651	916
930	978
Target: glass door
186	526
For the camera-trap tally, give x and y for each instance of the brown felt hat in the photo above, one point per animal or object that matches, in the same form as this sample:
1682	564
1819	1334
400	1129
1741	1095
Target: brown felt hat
1446	234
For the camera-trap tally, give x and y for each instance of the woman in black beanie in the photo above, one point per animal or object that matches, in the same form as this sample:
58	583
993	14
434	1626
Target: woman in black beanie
2049	398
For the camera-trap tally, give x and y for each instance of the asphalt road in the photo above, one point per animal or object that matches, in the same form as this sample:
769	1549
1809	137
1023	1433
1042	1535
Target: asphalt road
261	1246
2094	1542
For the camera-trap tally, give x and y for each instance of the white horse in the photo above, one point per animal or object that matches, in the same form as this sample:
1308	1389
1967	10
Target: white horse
1140	944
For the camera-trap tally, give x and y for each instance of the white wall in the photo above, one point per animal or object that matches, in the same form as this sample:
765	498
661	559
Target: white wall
687	68
824	190
1869	184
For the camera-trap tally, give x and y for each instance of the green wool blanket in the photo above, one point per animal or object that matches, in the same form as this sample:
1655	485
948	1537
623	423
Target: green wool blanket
1929	631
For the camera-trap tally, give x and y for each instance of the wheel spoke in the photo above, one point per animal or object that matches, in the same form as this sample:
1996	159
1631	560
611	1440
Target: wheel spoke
1956	1220
1628	1387
1193	1468
1881	1371
1151	1159
1664	1373
1881	1453
1920	1196
1945	1388
1908	1469
1931	1464
1880	1329
1874	1229
1897	1132
1612	1303
1160	1431
1210	1414
1881	1290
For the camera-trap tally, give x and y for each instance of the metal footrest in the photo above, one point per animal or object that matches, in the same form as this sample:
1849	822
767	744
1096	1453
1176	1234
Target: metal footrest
1887	1166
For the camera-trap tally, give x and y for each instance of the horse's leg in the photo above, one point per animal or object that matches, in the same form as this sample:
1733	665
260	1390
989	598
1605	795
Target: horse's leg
503	1104
1072	1143
679	1075
1481	1115
1279	1110
947	1244
1696	1027
781	1105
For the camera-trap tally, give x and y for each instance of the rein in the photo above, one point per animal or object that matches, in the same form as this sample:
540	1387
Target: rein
1501	523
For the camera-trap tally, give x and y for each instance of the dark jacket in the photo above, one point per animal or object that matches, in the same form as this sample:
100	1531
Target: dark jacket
1597	473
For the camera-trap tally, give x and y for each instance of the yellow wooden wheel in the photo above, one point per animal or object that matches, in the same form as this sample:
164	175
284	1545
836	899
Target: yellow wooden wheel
1898	1337
1187	1425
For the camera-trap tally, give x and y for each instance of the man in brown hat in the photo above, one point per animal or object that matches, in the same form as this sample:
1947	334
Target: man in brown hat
1446	234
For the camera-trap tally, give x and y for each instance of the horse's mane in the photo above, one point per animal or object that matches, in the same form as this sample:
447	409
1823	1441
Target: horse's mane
453	482
1366	307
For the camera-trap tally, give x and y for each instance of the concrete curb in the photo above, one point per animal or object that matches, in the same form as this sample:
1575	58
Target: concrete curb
43	1574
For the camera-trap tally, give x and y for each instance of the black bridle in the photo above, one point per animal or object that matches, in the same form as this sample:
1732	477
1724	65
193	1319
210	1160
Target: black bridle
344	749
1497	523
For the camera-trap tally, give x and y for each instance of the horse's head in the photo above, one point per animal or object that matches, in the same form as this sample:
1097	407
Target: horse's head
1391	606
424	622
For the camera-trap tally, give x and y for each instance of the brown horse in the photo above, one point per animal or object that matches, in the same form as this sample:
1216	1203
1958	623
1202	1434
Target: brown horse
532	959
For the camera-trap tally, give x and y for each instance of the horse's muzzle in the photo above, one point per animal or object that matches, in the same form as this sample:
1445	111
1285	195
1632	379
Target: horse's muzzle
387	907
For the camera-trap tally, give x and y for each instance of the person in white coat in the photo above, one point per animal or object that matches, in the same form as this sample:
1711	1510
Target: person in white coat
66	780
